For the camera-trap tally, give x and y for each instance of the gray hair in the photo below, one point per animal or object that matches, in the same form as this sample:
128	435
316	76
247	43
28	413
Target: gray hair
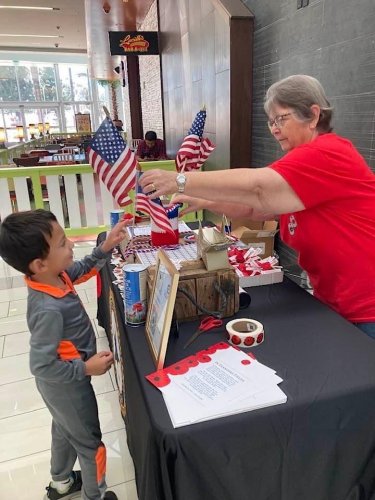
300	92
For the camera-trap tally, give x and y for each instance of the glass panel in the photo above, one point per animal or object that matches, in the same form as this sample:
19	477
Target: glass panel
51	116
69	118
66	87
80	83
26	83
32	116
84	108
8	84
103	90
12	118
101	111
47	83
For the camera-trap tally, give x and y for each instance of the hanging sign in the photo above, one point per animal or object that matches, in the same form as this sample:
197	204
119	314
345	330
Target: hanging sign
133	43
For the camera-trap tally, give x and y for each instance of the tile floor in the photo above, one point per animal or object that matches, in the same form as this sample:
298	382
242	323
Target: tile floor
25	421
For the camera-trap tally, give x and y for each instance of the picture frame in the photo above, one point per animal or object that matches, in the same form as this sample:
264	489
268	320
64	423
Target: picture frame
83	123
118	359
160	307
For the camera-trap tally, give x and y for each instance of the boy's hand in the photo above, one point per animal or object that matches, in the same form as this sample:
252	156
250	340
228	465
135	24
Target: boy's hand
99	363
116	235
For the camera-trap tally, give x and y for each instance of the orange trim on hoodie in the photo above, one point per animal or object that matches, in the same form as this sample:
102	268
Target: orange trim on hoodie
86	276
54	291
67	350
101	463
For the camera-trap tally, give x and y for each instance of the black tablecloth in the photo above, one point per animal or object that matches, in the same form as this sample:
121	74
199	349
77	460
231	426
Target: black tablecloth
318	446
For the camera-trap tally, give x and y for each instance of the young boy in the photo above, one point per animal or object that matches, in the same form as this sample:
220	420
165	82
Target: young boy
62	347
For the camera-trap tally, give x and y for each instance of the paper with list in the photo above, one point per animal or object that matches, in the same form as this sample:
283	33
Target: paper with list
216	382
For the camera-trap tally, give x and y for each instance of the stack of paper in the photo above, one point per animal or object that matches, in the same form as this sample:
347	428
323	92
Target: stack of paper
216	382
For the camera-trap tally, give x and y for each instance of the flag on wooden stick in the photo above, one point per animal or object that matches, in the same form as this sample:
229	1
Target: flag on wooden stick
154	208
113	161
194	149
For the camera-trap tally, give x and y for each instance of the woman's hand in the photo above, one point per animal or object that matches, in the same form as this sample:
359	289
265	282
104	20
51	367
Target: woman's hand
193	204
158	182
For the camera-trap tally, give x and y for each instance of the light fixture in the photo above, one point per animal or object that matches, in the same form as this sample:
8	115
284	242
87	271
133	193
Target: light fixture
24	7
46	128
30	36
2	138
19	132
41	129
106	7
32	130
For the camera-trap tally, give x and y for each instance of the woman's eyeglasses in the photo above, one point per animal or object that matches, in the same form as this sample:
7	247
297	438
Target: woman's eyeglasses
278	120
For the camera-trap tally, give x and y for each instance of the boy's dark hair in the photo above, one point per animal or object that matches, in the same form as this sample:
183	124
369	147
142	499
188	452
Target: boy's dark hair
23	238
150	136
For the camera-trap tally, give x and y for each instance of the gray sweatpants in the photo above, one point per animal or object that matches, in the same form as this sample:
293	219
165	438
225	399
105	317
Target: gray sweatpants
76	432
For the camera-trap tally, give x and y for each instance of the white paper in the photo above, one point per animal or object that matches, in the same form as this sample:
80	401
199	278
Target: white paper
227	382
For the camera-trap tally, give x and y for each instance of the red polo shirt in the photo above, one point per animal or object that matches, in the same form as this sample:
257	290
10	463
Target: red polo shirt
335	234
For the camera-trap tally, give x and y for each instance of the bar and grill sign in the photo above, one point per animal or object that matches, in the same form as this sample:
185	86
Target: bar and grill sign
133	43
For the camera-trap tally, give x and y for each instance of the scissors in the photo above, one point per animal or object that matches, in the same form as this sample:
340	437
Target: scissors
207	323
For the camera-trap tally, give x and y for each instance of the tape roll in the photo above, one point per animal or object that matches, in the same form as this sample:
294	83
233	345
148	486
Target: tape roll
245	332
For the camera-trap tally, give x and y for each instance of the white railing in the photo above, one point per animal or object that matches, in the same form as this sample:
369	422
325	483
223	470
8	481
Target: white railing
74	193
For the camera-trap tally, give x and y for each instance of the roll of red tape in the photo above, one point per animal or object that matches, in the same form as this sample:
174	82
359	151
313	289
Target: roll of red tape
245	332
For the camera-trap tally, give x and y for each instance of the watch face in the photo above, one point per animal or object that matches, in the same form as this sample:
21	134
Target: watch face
181	179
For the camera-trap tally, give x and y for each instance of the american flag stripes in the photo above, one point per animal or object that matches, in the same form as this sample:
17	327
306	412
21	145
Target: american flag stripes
154	208
113	161
194	149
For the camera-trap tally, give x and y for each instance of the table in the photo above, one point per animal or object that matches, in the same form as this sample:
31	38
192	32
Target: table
318	446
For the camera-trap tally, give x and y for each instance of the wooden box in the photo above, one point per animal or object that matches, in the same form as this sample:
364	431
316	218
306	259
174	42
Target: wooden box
203	286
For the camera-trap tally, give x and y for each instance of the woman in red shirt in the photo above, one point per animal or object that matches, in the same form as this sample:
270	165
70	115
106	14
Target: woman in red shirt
322	190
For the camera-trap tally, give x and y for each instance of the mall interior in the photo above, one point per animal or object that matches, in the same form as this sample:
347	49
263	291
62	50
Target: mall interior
58	80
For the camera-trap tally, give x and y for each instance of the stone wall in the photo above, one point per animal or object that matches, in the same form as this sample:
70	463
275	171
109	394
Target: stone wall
149	71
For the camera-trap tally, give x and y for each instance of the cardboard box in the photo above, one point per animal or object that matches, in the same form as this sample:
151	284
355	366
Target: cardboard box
258	235
266	278
212	247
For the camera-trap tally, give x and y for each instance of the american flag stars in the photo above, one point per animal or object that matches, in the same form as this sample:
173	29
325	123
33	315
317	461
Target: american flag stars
198	124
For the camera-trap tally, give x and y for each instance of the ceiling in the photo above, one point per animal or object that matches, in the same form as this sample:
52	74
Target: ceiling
75	27
67	24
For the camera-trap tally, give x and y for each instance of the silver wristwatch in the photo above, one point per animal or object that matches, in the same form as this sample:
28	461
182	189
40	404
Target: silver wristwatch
181	182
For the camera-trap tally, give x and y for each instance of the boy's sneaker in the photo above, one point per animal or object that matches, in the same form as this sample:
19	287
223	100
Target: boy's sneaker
53	494
109	495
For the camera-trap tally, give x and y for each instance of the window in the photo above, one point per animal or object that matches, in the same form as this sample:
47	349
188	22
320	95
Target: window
69	118
81	88
32	93
8	84
66	82
74	82
47	82
28	83
12	118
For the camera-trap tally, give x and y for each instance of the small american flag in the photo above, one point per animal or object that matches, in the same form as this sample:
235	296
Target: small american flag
154	208
113	161
194	149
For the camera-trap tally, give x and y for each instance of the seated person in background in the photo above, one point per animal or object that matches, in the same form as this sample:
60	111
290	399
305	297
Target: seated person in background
151	148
